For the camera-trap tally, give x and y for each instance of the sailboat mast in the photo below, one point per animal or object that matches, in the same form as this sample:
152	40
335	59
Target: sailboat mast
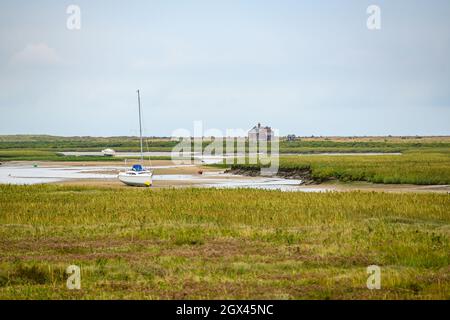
140	126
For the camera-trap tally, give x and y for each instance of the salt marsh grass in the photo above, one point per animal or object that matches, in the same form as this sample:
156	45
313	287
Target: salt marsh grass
408	168
208	243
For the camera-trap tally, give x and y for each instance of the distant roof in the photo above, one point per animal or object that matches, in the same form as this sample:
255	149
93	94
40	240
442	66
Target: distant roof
256	128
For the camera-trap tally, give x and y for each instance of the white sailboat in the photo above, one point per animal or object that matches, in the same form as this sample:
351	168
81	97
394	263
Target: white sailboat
137	176
108	152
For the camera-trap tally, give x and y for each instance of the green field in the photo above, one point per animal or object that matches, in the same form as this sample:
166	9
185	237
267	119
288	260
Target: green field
207	243
58	144
38	155
301	145
408	168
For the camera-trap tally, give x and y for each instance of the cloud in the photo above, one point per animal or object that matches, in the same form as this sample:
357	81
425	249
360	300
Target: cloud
36	54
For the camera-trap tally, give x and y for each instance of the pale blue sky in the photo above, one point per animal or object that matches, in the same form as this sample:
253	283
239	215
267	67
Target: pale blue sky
303	67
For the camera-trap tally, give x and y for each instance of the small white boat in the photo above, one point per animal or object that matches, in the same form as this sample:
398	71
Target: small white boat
108	152
138	176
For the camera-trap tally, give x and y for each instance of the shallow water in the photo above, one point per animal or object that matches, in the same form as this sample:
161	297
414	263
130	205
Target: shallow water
233	181
208	159
27	174
32	175
211	159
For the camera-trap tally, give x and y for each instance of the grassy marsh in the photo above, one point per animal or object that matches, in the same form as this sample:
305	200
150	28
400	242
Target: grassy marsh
408	168
301	145
196	243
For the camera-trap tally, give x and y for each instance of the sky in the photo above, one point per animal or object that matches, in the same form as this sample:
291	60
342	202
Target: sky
302	67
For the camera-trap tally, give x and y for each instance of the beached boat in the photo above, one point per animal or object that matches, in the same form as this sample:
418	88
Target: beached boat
108	152
138	176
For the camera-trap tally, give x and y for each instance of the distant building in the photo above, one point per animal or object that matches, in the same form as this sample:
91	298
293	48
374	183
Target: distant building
291	137
260	133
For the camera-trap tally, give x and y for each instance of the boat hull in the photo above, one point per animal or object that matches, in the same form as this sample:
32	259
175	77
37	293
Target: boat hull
139	180
108	152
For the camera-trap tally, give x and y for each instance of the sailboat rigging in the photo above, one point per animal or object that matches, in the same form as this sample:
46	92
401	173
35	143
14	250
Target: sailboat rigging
138	176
